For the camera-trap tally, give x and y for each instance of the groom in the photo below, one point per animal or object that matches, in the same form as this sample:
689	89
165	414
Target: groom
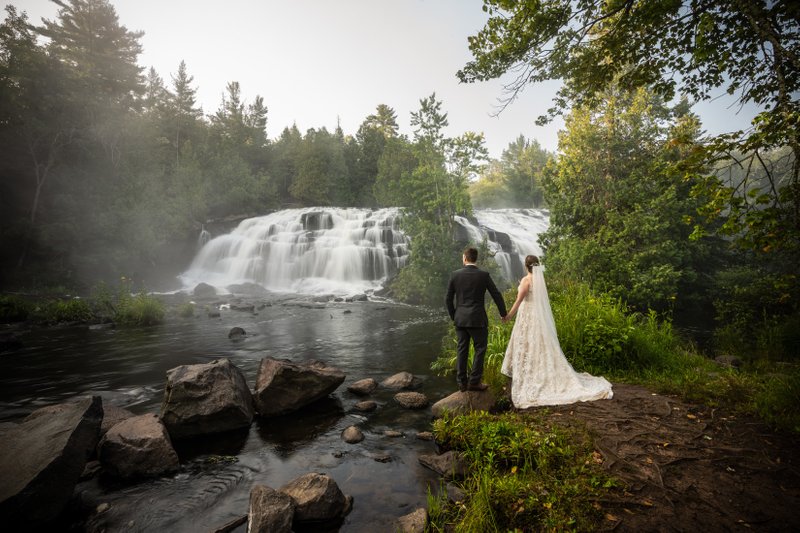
469	286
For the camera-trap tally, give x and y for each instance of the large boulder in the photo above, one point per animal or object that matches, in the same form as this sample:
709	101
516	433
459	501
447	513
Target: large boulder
204	290
270	511
41	460
206	398
317	498
464	402
138	447
283	386
113	415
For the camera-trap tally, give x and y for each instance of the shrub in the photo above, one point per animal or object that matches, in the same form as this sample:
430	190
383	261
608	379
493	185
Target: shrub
140	310
14	308
186	310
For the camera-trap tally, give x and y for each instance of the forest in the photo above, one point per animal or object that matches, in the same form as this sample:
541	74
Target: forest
110	170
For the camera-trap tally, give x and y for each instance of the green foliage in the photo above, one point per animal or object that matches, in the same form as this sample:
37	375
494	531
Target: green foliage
618	202
757	311
522	474
14	308
124	307
186	310
515	180
58	311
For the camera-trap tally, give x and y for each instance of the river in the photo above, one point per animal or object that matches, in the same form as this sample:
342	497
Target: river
374	338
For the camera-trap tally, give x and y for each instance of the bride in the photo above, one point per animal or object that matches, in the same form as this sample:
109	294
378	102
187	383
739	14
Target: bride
540	373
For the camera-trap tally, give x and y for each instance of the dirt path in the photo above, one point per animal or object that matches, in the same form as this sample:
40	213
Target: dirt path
690	468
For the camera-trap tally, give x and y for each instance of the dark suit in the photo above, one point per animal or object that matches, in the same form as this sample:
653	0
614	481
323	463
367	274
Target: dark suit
468	286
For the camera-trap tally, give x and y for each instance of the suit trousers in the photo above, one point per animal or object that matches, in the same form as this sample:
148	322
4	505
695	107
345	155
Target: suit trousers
480	339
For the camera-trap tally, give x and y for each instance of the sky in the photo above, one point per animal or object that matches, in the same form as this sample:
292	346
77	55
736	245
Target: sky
317	63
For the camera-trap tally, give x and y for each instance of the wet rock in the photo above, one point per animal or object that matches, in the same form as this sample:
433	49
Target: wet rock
363	387
401	380
206	398
248	289
413	522
283	386
113	415
352	435
464	402
392	434
204	290
425	435
246	308
237	333
270	511
318	499
365	406
411	400
449	465
41	460
138	447
213	313
383	458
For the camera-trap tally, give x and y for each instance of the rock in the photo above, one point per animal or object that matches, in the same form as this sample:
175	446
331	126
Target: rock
728	361
213	314
246	308
206	398
270	511
365	406
352	435
138	447
248	289
383	458
464	402
413	522
455	494
425	435
360	298
204	290
236	333
401	380
449	465
317	498
411	400
283	386
392	434
41	460
113	415
363	387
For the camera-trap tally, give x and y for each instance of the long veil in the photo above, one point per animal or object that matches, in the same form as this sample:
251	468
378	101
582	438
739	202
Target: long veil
539	370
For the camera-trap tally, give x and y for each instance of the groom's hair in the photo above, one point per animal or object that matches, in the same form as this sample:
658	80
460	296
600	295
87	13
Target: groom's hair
471	254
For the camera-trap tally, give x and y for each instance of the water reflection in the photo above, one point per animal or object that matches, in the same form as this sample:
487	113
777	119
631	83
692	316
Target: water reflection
127	367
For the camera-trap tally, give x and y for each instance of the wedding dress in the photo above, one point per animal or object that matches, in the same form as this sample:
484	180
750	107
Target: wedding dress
540	373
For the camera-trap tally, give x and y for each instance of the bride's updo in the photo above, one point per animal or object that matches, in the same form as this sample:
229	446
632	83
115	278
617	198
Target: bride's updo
530	262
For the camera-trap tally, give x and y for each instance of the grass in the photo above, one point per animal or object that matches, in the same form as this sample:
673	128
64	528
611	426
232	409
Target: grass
527	475
524	475
120	306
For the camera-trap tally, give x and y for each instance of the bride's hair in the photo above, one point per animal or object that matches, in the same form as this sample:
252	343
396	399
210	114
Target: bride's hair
530	262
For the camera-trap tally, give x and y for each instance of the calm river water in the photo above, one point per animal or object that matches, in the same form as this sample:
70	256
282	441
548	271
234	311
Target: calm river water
127	367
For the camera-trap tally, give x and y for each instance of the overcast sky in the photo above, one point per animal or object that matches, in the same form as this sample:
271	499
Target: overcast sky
319	61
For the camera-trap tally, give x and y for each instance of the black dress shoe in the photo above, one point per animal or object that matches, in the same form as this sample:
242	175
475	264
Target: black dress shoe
478	387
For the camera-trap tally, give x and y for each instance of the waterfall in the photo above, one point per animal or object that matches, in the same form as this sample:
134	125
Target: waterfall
346	250
307	251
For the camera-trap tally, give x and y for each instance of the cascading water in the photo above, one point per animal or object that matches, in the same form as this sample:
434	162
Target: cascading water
307	251
346	250
512	234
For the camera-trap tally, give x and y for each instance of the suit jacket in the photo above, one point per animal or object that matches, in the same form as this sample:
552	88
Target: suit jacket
468	286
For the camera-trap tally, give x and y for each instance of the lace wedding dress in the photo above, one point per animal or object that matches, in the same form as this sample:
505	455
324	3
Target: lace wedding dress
540	373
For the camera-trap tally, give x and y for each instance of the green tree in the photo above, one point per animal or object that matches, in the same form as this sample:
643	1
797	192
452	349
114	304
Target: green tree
750	49
184	116
101	53
618	197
